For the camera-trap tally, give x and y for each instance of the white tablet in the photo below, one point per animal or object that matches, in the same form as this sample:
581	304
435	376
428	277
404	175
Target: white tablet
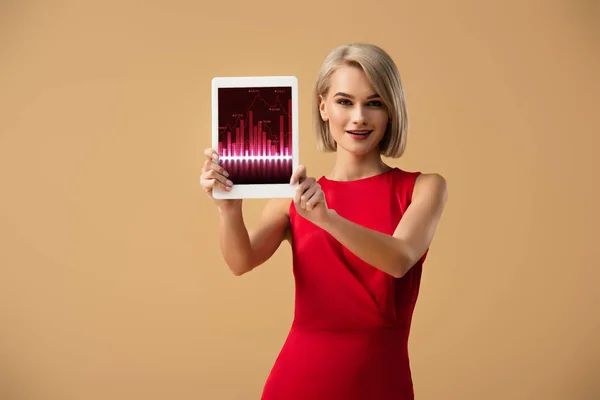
255	133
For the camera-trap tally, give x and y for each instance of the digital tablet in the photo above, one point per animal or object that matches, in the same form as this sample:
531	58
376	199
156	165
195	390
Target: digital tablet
255	133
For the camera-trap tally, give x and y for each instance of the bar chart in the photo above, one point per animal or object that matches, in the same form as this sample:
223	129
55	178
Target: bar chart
255	134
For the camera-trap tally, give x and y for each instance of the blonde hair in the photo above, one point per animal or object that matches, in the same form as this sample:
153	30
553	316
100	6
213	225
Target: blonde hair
383	75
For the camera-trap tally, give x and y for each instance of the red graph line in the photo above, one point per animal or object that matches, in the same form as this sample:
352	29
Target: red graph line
258	96
277	100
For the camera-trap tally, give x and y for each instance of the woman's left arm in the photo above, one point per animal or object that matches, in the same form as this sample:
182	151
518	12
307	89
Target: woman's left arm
395	254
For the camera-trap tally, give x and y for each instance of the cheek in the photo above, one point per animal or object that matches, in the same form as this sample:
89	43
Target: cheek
338	121
379	117
337	115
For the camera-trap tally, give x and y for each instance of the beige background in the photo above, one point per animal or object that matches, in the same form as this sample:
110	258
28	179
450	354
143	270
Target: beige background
111	282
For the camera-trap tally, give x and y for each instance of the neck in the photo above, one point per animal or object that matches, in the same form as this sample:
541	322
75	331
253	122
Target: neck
349	166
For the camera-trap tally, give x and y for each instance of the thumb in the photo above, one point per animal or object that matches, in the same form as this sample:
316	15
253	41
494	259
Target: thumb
298	174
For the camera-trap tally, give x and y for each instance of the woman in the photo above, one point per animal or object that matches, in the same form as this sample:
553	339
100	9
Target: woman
359	237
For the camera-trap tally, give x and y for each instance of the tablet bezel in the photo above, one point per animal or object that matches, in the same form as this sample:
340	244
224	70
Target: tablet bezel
246	191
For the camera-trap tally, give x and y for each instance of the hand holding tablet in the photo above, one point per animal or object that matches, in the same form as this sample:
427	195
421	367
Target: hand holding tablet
214	176
255	134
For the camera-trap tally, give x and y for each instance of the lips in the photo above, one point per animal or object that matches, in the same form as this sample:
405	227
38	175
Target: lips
362	132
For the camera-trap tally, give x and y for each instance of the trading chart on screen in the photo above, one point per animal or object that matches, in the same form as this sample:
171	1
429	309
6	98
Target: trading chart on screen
255	134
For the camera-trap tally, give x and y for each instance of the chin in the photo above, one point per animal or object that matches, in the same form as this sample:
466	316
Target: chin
359	149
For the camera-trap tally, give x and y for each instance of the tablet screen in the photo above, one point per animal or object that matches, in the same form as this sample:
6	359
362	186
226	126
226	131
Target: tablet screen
255	134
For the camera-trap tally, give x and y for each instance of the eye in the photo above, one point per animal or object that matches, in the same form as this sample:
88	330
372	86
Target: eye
376	104
344	102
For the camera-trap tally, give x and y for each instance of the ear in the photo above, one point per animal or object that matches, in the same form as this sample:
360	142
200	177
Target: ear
323	108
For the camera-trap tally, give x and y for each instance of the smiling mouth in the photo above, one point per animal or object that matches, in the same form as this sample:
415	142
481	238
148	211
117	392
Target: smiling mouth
360	133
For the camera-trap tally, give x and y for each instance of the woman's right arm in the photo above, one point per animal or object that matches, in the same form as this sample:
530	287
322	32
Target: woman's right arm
244	251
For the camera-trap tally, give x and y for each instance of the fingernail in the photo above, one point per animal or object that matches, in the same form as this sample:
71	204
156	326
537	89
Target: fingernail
225	173
229	182
229	187
215	157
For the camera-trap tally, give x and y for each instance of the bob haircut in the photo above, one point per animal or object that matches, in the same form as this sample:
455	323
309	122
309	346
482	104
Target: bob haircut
382	73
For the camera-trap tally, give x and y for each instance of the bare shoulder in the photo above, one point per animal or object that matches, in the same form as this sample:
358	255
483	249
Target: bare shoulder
431	186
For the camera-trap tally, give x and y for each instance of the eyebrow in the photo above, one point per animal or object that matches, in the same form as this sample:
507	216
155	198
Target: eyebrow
373	96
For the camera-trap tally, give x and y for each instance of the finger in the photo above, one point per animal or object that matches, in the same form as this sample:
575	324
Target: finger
315	200
213	174
306	196
206	166
212	179
302	188
211	183
298	174
211	154
206	184
211	165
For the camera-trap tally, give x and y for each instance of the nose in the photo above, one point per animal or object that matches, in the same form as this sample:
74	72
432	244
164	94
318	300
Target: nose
358	116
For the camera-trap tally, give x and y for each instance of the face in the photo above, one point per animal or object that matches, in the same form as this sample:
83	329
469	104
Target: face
356	115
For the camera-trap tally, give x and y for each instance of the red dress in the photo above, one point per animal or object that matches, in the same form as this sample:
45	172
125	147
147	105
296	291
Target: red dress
349	336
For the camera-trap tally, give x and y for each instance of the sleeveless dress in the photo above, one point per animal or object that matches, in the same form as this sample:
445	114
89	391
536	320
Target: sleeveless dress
349	335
